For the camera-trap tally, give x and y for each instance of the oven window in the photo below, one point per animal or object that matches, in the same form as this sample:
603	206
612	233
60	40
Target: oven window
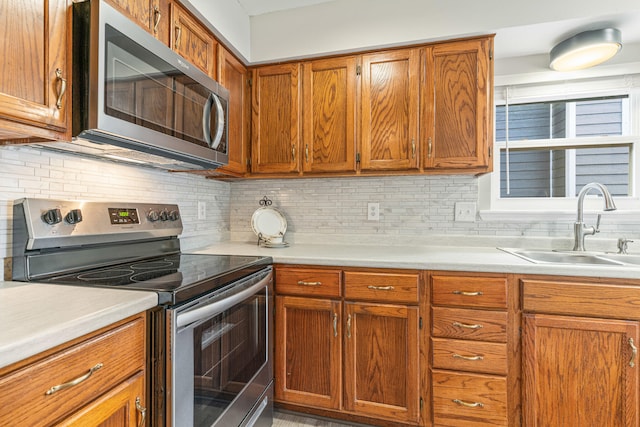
229	350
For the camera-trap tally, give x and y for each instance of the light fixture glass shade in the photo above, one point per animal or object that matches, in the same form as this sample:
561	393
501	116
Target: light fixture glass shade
586	49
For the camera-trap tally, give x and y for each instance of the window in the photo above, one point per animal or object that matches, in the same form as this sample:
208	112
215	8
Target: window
553	138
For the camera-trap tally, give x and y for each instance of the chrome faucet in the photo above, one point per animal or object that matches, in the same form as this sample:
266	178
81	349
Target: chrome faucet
579	229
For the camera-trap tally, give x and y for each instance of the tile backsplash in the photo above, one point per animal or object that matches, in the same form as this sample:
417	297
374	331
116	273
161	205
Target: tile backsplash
31	172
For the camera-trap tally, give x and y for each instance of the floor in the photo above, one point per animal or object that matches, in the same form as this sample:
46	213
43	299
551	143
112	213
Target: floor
287	419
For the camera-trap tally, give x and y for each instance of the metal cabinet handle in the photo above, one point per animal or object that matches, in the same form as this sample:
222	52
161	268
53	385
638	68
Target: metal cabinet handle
467	325
349	326
156	18
413	148
470	358
293	153
429	147
381	288
142	410
306	153
63	87
71	383
467	294
634	353
178	36
303	283
468	404
335	324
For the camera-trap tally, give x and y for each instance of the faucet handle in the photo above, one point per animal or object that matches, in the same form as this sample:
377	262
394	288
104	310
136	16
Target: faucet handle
623	244
597	229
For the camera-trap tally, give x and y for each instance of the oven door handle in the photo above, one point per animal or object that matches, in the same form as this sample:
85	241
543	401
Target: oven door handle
192	316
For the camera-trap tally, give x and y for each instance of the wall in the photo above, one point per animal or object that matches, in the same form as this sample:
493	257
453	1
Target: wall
413	210
29	172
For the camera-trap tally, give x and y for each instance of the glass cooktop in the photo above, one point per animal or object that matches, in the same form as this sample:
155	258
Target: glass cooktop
176	278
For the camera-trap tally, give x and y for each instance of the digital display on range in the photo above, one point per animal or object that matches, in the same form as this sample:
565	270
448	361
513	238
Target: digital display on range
123	216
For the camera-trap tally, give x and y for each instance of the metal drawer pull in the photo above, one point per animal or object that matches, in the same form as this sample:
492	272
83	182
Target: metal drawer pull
467	326
634	353
349	326
73	382
156	18
381	288
303	283
467	404
335	324
63	87
142	410
471	358
178	36
467	294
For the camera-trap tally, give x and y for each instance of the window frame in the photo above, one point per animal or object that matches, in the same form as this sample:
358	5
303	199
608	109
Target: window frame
489	201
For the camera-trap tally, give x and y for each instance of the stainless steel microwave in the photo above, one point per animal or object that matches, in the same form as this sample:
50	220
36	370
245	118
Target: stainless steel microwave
136	100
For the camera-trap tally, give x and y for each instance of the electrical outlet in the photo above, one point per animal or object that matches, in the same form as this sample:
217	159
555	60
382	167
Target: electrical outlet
373	211
202	210
465	212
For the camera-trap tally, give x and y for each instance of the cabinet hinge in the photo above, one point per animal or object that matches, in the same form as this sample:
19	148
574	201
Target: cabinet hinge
490	53
489	151
357	157
358	70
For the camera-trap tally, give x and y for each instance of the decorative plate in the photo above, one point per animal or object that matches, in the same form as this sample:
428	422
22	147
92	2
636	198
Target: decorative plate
269	224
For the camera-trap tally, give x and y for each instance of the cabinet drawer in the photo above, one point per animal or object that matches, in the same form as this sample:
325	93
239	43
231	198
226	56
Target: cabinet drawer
384	287
581	299
469	399
473	356
489	292
311	282
480	325
120	352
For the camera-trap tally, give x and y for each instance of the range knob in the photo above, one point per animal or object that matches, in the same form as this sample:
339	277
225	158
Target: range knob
164	215
153	216
52	216
174	215
74	216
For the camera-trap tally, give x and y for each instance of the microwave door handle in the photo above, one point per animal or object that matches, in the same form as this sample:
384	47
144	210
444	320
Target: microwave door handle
217	139
206	121
201	313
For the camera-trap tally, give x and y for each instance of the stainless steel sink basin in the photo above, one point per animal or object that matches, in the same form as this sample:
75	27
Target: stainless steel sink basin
633	260
552	257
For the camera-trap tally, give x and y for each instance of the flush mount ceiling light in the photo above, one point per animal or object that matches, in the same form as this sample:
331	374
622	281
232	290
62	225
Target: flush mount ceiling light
586	49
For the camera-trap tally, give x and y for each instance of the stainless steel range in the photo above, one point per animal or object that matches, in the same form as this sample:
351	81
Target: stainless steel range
211	338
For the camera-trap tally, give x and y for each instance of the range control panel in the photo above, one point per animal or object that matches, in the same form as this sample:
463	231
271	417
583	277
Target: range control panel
56	223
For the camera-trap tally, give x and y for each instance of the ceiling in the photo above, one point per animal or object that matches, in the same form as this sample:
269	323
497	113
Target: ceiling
510	41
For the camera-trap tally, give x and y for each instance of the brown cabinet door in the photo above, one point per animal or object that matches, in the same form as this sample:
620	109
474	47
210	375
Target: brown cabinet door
457	105
190	39
275	119
35	79
124	405
329	114
233	76
152	15
381	372
308	355
580	371
390	104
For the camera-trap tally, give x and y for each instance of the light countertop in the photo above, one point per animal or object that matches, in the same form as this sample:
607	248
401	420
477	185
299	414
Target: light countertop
36	317
454	258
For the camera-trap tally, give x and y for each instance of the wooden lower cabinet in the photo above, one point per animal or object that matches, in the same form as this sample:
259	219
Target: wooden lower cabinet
99	379
354	360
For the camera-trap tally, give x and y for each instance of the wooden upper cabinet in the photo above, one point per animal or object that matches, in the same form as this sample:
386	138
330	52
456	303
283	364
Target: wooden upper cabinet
580	371
35	71
390	107
457	112
193	41
152	15
233	75
329	113
275	119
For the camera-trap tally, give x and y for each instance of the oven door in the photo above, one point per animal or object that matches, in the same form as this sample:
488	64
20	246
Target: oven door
221	370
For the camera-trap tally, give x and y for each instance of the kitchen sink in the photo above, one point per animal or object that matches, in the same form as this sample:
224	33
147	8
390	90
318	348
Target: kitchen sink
570	257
